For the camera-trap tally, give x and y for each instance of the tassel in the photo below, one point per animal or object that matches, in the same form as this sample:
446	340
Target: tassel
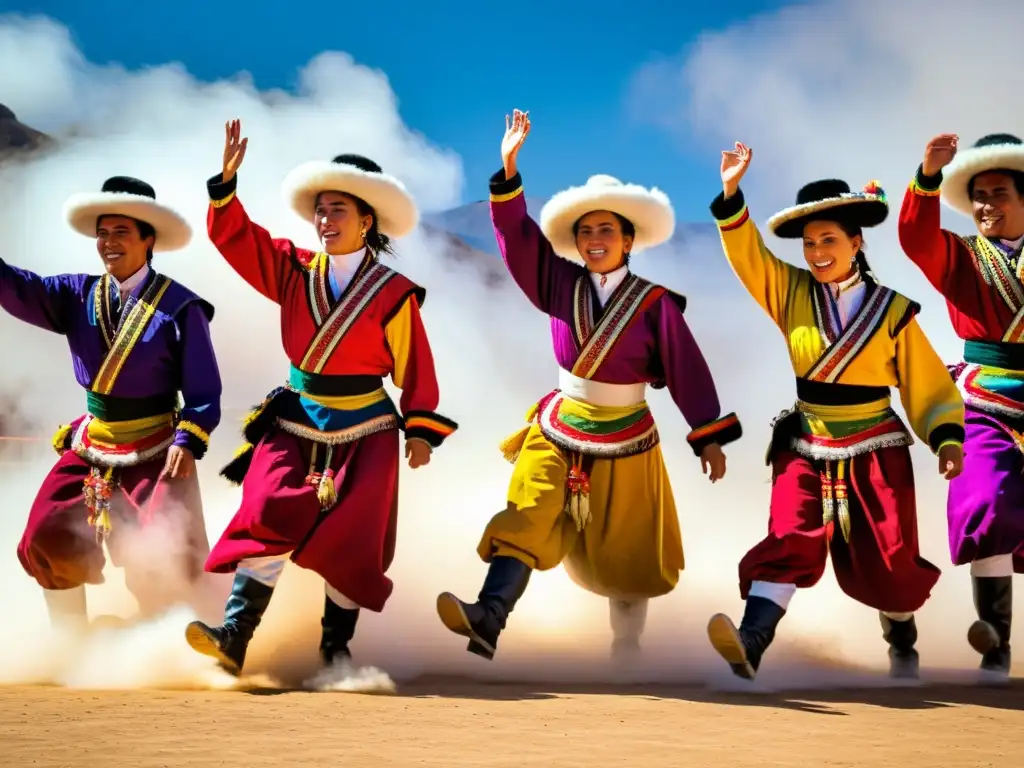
513	444
827	506
578	484
842	502
326	493
60	438
99	487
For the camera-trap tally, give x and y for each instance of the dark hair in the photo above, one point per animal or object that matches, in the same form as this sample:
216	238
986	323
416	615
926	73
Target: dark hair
376	240
851	231
625	224
144	227
1017	176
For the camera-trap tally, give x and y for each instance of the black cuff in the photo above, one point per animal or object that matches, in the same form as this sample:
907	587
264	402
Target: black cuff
945	433
220	190
428	426
929	183
723	431
195	446
723	209
502	186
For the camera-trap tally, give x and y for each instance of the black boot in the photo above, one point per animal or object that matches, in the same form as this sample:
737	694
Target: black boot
901	636
484	620
990	635
242	614
338	628
744	647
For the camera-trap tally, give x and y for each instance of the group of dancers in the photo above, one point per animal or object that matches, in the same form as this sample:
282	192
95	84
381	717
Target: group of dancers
589	490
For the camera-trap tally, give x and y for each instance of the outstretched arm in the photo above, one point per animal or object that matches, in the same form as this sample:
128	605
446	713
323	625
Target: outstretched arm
689	379
545	278
264	262
938	253
414	374
200	379
45	302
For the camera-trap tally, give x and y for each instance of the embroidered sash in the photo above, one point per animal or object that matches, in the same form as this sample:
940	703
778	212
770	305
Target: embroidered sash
991	263
845	346
120	341
633	295
333	325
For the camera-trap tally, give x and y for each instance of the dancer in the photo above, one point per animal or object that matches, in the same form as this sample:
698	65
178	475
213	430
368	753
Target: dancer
840	455
980	277
319	470
137	339
589	488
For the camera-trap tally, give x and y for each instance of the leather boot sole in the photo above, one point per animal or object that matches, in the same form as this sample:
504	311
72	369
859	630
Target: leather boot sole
202	640
725	639
452	615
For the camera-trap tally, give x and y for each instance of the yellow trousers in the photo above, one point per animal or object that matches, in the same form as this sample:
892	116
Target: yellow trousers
630	549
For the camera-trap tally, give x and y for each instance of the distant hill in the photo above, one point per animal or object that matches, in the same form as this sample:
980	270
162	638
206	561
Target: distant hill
16	138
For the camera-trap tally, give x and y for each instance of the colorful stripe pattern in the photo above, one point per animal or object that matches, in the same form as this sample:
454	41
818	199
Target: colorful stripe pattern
430	427
920	189
836	433
122	340
729	422
993	390
121	444
735	221
354	300
995	270
598	431
627	302
844	347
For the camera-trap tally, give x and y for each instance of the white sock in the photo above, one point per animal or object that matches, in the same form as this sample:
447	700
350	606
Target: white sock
898	616
339	599
993	567
265	570
778	593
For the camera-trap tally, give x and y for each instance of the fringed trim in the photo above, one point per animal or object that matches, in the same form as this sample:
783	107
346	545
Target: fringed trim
235	470
646	442
61	440
195	430
513	444
97	489
818	452
97	456
370	427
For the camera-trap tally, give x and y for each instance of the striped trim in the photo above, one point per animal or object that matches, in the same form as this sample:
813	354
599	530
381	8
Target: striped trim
715	426
195	430
843	351
317	286
633	434
130	331
425	422
976	395
994	269
104	454
356	298
888	433
505	197
339	436
632	296
223	201
917	189
735	221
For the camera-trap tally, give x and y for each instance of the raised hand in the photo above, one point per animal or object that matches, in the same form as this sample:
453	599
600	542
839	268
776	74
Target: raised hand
734	165
939	153
234	149
951	460
516	131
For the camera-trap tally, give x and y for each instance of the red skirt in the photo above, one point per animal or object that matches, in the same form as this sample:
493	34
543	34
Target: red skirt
351	545
59	548
881	565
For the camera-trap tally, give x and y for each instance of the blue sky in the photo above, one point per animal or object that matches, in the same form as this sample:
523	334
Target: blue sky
456	67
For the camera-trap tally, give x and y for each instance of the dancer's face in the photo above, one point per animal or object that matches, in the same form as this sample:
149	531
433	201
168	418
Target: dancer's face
602	242
998	205
829	251
339	224
121	245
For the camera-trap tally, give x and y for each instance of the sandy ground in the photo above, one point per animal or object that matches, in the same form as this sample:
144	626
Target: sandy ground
456	723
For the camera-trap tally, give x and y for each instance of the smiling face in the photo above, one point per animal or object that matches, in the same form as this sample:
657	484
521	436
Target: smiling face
123	245
339	222
829	251
603	240
998	205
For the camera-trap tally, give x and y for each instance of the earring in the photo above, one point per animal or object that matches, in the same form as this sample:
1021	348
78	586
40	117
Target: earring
362	233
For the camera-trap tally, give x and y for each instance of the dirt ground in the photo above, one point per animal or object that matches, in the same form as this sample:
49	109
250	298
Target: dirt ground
453	723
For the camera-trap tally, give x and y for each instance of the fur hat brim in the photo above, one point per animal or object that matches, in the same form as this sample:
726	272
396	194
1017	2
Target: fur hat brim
648	210
968	163
172	231
861	208
396	211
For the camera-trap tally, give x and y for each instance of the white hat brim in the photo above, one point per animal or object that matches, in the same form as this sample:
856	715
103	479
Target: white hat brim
968	163
396	211
648	210
172	231
777	224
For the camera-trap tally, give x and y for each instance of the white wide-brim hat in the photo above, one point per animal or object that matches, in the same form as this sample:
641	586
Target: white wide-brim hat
126	196
395	210
831	199
995	152
648	210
